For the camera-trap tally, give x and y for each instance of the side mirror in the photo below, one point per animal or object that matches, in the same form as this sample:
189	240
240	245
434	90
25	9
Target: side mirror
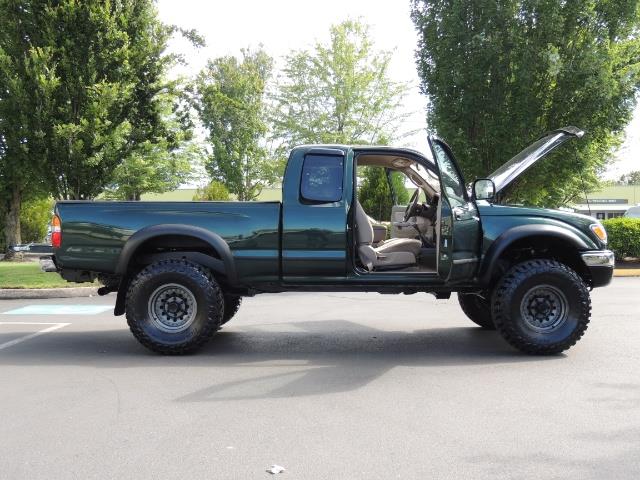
484	189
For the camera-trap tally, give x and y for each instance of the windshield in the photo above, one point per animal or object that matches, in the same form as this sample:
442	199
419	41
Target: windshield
427	176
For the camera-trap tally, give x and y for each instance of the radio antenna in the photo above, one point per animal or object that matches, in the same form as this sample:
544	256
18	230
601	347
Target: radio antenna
584	186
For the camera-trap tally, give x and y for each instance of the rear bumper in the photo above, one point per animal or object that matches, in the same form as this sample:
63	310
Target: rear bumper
600	264
48	263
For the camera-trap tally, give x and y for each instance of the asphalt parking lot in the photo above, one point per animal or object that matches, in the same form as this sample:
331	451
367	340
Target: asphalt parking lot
330	386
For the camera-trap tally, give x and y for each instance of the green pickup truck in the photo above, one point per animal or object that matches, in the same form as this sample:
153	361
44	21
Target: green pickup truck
180	269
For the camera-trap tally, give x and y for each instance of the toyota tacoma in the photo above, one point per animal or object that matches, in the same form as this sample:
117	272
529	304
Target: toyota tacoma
180	269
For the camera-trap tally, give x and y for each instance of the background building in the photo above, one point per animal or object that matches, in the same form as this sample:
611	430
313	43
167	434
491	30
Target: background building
610	202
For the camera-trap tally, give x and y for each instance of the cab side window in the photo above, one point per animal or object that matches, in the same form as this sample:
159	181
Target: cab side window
322	178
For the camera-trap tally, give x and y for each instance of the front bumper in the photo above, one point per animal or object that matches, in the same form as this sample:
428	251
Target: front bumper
600	264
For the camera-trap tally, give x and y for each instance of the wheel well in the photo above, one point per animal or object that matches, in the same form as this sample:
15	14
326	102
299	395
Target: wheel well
541	247
158	247
175	243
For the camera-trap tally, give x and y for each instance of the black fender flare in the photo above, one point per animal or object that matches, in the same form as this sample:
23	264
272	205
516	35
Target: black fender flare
225	265
508	237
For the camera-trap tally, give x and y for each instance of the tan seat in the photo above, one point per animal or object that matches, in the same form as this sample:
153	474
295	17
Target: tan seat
397	252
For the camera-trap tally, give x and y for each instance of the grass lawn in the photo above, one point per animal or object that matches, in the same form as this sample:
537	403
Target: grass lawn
29	275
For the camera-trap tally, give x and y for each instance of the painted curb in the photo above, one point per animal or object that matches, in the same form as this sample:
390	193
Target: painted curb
626	272
18	293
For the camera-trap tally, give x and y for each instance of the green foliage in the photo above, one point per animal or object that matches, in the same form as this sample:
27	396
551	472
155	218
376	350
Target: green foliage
631	178
84	89
338	93
624	236
498	74
213	191
153	168
230	99
375	196
90	73
35	215
34	219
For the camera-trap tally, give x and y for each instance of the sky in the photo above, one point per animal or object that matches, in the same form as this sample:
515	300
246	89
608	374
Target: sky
282	25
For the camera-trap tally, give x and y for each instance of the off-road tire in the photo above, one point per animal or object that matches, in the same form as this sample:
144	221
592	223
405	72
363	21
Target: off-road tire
206	320
231	307
477	309
510	302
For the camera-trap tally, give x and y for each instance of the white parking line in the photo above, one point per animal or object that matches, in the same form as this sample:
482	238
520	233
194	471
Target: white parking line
59	310
11	343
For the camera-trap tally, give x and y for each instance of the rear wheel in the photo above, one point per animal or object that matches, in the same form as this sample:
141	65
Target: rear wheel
174	306
541	307
477	309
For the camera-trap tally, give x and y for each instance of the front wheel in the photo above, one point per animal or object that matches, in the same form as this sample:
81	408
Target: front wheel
541	307
231	307
174	306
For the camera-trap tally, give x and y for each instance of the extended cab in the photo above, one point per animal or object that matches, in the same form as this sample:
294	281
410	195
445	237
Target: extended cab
181	268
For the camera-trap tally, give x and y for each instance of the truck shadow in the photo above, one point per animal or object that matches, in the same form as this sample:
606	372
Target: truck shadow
336	356
276	360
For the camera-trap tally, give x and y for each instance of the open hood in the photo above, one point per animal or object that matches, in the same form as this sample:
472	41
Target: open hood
511	170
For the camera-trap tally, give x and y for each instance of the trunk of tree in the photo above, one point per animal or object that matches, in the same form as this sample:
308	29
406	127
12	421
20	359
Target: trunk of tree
12	234
134	197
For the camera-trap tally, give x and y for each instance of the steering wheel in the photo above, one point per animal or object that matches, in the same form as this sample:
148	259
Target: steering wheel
411	207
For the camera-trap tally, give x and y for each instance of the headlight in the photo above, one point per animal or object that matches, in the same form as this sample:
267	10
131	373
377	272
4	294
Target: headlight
599	230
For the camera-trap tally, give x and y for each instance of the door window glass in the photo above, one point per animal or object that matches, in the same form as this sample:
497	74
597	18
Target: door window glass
452	184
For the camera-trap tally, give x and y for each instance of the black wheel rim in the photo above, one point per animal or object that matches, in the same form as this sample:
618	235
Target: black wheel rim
172	308
544	308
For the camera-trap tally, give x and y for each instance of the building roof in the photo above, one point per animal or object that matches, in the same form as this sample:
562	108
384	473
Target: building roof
609	207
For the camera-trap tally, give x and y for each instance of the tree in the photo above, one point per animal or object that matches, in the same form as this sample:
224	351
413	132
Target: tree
150	168
230	99
82	87
499	74
25	83
160	150
631	178
213	191
35	217
161	163
338	93
375	196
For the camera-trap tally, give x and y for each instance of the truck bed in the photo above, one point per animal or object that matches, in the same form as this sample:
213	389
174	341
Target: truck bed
94	232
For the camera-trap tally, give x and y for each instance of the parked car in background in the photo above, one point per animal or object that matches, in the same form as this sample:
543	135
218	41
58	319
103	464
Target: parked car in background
633	212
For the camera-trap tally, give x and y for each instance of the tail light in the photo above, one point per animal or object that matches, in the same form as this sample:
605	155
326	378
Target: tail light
56	232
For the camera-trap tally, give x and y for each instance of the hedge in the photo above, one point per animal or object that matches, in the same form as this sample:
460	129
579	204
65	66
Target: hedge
624	236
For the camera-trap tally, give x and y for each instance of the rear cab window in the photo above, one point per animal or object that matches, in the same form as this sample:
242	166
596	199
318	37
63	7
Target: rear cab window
322	178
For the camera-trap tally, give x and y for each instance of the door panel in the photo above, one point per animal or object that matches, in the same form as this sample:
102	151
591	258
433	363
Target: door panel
458	220
314	219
